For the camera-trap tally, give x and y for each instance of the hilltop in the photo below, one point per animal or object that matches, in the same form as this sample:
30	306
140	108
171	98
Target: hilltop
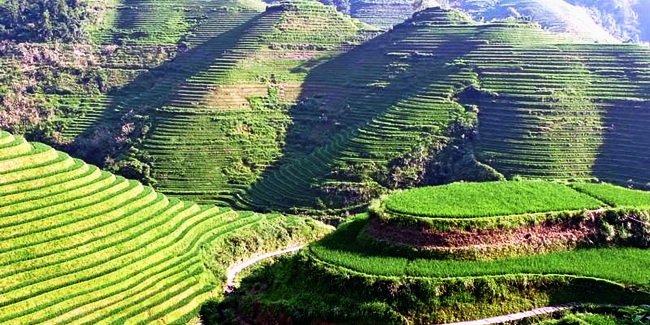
602	21
461	252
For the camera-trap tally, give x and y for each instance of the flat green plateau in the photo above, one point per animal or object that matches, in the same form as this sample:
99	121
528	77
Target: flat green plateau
476	200
629	266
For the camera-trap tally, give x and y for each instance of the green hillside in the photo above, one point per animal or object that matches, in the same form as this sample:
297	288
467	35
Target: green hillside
206	120
477	162
221	103
588	20
559	16
456	266
442	98
80	245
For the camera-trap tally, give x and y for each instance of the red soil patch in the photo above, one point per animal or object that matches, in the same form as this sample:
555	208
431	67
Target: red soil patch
550	236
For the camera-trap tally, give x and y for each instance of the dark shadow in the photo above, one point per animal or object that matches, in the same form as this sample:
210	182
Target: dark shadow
624	157
339	99
625	154
149	91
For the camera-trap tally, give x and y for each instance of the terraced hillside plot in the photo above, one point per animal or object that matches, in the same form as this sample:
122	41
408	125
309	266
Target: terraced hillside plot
465	274
78	245
564	114
615	195
226	123
342	249
475	200
485	101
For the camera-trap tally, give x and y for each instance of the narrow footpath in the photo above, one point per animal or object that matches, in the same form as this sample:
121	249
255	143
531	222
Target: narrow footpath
237	268
517	316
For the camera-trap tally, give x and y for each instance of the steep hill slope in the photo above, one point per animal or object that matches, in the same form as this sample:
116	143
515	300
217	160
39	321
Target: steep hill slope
214	116
442	98
558	16
226	123
461	252
602	21
625	19
79	245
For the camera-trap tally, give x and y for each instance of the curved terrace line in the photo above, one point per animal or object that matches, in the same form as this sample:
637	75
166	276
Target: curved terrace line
237	268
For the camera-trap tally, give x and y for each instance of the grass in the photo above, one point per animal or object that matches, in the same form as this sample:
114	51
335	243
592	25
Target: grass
615	195
82	244
342	249
474	200
585	318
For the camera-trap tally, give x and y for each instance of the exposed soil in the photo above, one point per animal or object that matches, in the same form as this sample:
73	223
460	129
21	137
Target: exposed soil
552	235
225	97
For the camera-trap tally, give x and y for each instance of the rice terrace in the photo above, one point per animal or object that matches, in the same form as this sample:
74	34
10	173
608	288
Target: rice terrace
466	162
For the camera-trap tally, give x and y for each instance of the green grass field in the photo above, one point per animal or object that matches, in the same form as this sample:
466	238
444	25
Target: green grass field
78	245
475	200
615	195
342	249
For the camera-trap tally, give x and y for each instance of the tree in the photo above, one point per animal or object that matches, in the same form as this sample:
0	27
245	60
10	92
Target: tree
43	20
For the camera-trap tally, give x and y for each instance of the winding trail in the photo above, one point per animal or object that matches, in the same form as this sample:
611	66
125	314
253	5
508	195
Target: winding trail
237	268
517	316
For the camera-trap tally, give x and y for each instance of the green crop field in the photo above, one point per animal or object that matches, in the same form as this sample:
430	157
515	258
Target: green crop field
481	155
615	195
474	200
371	270
342	249
79	245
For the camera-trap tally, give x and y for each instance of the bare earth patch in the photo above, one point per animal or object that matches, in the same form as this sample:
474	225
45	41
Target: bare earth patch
542	238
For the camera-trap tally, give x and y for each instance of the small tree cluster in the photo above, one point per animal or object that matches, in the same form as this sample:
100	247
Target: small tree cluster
43	20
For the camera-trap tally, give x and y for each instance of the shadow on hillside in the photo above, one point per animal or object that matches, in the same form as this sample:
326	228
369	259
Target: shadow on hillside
149	91
625	154
370	78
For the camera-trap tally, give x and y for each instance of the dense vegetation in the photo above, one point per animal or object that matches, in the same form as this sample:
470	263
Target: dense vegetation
342	249
296	107
82	245
44	20
615	195
231	105
346	278
494	110
604	315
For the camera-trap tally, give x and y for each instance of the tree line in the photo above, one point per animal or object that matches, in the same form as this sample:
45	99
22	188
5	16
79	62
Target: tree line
43	20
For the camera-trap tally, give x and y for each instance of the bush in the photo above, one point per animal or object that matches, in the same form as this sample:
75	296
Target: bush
43	20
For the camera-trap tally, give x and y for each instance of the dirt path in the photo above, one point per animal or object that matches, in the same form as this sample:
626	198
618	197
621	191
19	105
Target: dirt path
236	269
516	316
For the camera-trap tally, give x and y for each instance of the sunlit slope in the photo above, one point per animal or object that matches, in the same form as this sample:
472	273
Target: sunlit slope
461	252
558	16
565	111
78	245
226	122
530	103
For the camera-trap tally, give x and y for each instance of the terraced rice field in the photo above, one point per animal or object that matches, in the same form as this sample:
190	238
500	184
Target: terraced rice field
79	245
546	106
210	140
444	273
475	200
343	250
615	196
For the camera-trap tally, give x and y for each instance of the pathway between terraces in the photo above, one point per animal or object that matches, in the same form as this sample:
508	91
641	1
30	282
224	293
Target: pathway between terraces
517	316
233	271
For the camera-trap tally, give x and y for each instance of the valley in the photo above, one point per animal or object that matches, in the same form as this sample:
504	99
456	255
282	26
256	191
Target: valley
342	162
